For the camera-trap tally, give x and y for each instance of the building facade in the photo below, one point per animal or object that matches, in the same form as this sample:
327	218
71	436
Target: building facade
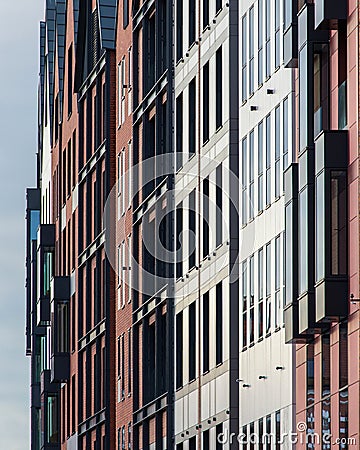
321	41
191	253
266	363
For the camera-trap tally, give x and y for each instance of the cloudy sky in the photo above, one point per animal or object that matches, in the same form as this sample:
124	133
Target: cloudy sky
18	86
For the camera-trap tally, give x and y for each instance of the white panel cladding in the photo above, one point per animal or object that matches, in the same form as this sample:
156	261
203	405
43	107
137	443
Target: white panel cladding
274	392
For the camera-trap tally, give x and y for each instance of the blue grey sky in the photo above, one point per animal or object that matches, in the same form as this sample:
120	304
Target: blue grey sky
19	27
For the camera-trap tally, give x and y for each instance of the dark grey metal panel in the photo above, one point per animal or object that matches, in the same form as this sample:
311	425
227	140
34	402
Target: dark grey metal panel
328	13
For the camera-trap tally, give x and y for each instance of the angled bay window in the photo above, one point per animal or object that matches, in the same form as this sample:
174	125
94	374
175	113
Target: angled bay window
328	14
60	331
331	225
45	271
290	40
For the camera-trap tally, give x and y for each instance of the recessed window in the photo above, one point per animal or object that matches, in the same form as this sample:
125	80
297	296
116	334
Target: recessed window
244	57
192	341
251	52
206	331
219	88
206	109
260	31
219	324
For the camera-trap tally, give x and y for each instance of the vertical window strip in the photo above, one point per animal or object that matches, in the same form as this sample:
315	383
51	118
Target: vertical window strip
267	38
244	181
277	152
245	302
251	52
260	31
286	133
244	57
268	160
261	293
251	174
268	287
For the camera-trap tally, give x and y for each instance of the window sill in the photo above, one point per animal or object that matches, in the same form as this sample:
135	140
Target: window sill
278	328
218	129
252	344
244	348
268	334
261	339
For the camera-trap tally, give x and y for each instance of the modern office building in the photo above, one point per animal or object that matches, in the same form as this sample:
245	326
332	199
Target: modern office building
267	100
207	162
192	236
322	226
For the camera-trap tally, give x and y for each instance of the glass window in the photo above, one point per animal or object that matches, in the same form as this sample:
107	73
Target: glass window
205	13
251	51
34	224
343	355
219	324
268	287
219	88
260	166
325	365
219	194
192	21
179	29
303	99
286	134
179	350
310	374
277	430
289	254
278	34
245	302
206	332
267	38
192	341
261	293
252	297
342	105
244	181
338	222
251	175
277	282
320	226
244	57
268	160
277	152
303	241
52	422
318	126
192	116
206	115
260	31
